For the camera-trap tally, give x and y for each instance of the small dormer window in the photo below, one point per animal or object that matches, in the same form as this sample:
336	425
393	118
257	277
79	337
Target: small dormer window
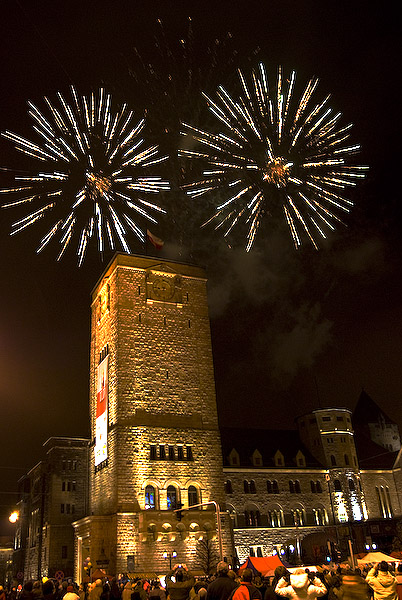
257	459
300	459
279	459
234	459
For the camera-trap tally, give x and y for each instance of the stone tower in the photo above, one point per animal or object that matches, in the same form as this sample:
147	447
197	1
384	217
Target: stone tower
154	426
328	434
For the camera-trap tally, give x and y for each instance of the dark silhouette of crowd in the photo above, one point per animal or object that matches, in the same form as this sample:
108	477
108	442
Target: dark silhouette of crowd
372	582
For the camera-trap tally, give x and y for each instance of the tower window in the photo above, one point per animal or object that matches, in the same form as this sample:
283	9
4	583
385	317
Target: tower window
171	453
150	497
337	485
162	452
171	497
180	453
189	453
153	452
192	495
228	487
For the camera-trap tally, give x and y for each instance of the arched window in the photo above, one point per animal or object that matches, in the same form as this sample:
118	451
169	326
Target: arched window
150	497
320	516
171	497
352	486
291	487
297	487
269	486
312	486
337	485
346	457
333	460
192	495
318	487
255	518
228	487
252	487
275	518
275	487
246	487
298	516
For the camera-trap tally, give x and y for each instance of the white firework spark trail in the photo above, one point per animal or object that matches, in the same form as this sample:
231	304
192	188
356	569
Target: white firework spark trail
274	151
95	167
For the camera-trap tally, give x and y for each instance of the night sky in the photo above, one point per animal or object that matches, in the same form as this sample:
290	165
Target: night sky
291	331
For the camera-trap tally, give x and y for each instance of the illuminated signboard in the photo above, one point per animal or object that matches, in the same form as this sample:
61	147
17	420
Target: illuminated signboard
101	412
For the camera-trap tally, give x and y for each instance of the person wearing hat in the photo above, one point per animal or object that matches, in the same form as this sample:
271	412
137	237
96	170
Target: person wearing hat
383	583
223	585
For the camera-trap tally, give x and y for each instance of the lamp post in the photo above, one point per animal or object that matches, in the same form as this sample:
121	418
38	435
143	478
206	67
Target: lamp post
170	555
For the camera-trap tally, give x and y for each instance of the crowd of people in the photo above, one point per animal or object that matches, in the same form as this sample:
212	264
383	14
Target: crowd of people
372	583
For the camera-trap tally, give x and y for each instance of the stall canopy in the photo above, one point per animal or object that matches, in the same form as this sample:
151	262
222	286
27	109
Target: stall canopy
376	557
265	565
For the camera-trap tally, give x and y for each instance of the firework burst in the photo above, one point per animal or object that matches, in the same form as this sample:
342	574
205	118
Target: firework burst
275	152
96	167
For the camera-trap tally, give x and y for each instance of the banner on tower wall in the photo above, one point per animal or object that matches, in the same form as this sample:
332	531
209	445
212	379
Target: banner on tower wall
101	412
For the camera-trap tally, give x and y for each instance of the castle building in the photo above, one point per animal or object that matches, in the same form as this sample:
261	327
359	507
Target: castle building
160	481
155	444
53	494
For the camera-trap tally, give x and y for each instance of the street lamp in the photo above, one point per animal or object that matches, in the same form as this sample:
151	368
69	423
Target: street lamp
170	555
15	515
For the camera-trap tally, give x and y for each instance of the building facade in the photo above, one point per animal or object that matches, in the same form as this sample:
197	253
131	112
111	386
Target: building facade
155	444
304	493
53	494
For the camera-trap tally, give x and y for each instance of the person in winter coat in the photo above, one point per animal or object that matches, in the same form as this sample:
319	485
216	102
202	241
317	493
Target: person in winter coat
223	585
96	591
302	586
383	583
127	591
246	590
352	587
184	581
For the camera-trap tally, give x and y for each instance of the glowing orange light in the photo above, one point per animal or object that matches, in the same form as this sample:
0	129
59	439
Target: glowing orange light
13	518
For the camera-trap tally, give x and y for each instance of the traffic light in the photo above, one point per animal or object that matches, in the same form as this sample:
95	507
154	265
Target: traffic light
178	513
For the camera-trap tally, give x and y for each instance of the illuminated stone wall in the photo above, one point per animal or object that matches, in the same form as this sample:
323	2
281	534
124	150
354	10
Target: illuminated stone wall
151	320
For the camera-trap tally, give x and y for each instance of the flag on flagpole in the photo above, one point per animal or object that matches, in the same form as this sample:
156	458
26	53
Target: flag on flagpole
155	241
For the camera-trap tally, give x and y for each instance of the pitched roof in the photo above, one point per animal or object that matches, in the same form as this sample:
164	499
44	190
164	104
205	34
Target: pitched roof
367	411
372	455
267	442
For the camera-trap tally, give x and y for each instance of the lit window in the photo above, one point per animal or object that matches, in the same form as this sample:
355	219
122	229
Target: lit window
149	497
171	497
